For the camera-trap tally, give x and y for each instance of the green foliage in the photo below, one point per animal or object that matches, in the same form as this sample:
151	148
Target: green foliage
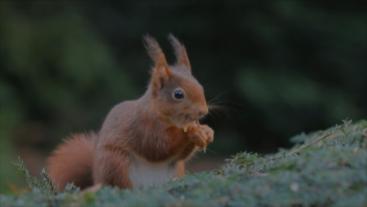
42	184
324	168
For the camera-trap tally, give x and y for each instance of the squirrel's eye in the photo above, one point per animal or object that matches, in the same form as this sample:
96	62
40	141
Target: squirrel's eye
178	94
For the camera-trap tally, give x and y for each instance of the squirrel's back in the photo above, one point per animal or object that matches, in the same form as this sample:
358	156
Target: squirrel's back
72	161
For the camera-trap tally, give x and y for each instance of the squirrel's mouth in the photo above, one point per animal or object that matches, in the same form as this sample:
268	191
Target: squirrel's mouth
184	121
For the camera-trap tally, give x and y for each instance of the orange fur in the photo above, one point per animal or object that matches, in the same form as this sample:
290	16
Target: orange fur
144	136
71	162
180	168
180	52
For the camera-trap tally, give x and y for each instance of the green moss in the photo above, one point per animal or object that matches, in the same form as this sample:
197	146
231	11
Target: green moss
324	168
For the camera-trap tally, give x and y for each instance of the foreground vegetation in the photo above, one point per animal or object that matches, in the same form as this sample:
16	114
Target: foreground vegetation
324	168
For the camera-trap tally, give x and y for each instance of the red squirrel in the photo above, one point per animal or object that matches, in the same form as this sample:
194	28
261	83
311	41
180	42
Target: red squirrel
142	142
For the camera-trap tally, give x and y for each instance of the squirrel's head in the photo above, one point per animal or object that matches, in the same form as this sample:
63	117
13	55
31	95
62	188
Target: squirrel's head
176	94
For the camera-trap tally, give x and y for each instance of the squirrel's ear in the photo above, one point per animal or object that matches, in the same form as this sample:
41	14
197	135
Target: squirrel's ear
154	51
180	52
159	77
161	71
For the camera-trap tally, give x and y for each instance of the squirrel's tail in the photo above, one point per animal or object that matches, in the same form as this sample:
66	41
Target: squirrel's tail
72	162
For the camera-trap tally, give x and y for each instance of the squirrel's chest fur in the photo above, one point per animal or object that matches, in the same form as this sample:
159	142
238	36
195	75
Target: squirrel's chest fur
143	173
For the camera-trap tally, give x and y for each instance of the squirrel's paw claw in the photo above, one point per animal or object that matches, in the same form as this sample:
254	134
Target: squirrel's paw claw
201	135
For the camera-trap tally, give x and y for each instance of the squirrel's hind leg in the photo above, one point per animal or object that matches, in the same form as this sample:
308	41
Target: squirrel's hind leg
180	169
111	168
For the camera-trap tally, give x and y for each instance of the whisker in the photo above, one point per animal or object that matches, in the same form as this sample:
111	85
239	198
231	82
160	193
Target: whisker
220	108
216	98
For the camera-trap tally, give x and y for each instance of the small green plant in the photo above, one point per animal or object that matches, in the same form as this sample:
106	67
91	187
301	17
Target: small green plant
42	183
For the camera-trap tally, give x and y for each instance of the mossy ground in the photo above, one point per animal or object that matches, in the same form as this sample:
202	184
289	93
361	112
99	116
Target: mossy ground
324	168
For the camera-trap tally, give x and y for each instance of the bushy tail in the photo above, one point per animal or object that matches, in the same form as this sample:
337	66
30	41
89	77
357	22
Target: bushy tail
72	162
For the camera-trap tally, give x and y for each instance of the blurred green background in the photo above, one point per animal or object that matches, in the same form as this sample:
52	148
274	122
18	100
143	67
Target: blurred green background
275	68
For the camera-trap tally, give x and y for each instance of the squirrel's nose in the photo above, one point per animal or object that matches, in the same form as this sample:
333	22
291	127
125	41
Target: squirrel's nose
203	111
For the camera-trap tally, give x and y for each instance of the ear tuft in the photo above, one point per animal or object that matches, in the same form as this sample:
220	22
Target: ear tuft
154	51
180	52
161	71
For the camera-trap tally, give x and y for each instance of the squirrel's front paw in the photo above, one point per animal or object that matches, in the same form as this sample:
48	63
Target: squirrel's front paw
201	135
